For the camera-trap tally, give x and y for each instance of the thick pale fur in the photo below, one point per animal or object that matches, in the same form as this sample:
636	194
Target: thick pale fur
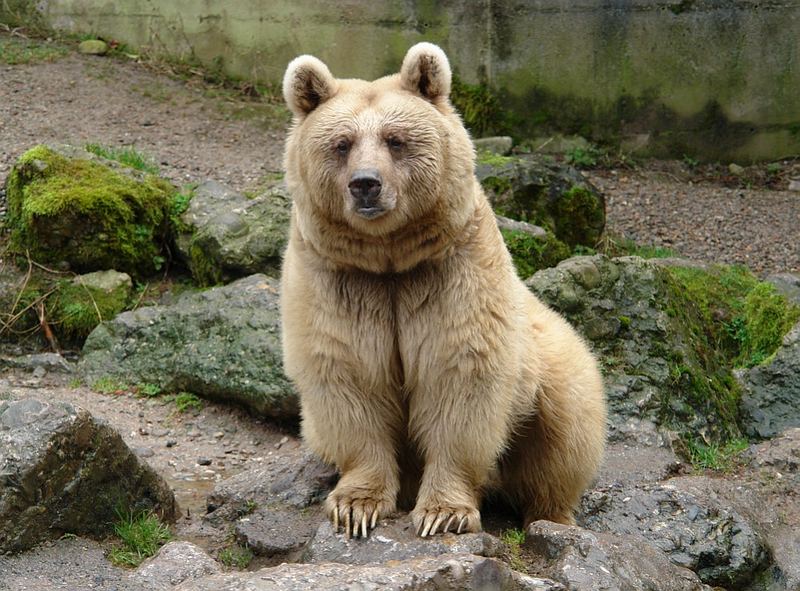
423	363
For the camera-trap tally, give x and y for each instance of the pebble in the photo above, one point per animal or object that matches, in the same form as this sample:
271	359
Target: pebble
171	443
204	461
282	442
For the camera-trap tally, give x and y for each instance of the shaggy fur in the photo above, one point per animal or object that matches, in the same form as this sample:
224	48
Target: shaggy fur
427	371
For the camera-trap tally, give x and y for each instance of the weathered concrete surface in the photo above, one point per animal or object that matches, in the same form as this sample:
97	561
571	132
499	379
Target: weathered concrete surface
663	76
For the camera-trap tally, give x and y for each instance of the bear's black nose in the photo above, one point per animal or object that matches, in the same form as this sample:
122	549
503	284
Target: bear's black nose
365	186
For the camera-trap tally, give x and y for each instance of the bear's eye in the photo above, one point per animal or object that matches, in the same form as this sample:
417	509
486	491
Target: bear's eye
395	143
342	147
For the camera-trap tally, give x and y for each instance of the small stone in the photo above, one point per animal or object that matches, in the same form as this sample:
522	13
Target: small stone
736	169
93	47
219	434
794	185
498	145
204	461
144	452
282	442
39	372
171	443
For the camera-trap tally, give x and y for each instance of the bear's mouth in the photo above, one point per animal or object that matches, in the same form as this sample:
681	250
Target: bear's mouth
370	213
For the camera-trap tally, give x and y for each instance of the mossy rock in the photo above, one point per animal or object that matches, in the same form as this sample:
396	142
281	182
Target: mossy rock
538	190
66	205
667	338
225	235
532	253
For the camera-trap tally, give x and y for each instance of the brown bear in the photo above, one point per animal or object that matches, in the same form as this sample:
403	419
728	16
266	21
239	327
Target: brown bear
426	370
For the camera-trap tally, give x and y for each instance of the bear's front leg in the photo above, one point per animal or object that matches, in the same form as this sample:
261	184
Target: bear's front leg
351	430
461	425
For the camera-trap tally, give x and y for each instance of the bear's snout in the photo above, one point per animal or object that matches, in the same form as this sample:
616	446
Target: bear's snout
365	187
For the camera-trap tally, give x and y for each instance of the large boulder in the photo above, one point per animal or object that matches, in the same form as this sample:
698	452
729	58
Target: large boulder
696	530
225	235
61	471
589	561
771	400
645	335
66	205
538	190
222	343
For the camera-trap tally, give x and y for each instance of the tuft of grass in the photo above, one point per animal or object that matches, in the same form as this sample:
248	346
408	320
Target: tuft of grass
109	385
722	458
15	51
513	539
583	157
141	534
187	401
128	156
148	390
236	556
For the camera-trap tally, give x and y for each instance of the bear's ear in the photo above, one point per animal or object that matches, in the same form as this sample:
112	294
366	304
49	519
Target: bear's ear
307	84
426	71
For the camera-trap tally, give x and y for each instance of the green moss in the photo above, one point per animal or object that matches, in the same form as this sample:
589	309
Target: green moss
493	159
75	310
85	213
479	107
531	254
732	320
204	271
579	217
766	317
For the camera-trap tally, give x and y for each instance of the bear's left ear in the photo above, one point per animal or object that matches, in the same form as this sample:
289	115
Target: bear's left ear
307	84
426	71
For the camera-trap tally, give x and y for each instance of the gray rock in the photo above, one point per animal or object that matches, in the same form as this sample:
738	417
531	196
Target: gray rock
297	483
174	563
695	529
788	284
736	169
63	472
277	530
500	144
93	47
588	561
223	343
505	223
107	281
46	361
395	540
771	397
539	191
77	564
627	308
560	144
781	453
454	572
228	235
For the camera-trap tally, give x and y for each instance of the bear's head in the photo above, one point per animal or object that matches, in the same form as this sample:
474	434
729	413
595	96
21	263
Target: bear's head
374	158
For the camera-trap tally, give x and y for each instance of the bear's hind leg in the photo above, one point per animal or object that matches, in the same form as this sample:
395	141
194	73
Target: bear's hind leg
556	453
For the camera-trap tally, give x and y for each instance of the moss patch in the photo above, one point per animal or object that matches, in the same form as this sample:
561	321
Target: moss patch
75	310
579	216
479	107
530	253
88	214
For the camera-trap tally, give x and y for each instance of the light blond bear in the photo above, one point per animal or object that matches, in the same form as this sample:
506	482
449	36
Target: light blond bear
427	372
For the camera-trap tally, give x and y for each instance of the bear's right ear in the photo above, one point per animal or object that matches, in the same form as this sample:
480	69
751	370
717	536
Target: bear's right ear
307	84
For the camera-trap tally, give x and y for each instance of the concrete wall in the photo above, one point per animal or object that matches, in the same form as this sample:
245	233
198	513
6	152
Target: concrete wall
712	79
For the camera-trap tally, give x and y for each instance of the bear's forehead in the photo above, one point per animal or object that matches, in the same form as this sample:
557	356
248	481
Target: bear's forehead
369	105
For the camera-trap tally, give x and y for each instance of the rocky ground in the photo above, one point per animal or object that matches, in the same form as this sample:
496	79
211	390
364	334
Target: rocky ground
217	458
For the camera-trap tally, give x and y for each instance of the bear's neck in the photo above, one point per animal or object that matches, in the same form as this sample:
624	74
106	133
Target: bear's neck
341	248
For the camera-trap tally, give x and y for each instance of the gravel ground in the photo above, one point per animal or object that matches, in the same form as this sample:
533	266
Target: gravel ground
756	227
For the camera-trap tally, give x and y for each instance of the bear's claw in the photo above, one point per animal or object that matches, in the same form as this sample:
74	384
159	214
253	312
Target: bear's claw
355	518
431	522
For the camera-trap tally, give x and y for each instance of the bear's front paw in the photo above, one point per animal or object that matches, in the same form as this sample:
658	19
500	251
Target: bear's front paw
441	518
356	510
